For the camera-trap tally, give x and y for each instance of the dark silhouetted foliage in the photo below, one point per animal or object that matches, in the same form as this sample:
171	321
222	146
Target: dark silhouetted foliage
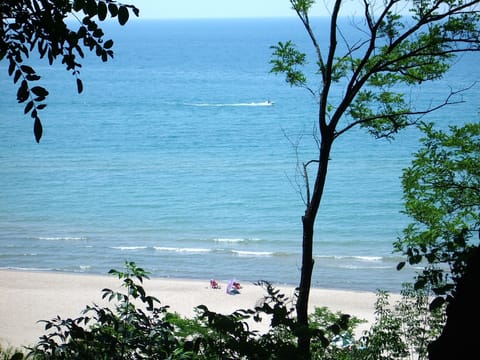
40	26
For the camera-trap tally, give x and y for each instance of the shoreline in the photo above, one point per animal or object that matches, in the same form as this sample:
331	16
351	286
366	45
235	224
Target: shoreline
28	297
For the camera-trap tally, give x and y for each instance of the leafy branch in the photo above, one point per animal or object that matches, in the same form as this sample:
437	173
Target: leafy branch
39	26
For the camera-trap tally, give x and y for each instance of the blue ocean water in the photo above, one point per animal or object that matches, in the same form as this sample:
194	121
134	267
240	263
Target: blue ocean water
174	158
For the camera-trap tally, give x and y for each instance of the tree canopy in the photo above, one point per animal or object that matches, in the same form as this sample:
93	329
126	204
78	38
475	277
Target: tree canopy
394	51
442	196
43	27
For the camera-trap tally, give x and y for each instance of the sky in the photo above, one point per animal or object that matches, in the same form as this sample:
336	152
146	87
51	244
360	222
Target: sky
174	9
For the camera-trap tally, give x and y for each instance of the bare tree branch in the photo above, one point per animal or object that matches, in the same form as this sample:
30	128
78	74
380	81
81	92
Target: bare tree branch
421	113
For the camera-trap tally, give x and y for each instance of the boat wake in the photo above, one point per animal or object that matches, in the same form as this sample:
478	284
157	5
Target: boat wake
262	103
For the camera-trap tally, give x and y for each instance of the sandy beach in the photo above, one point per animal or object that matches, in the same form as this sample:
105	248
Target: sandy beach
27	297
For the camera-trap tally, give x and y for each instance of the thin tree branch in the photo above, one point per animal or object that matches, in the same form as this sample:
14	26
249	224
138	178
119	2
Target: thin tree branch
406	113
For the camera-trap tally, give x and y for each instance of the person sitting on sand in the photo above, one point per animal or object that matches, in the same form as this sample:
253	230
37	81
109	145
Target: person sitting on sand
214	284
233	287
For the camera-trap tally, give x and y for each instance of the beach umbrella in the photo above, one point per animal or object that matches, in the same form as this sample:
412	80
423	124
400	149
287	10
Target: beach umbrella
230	287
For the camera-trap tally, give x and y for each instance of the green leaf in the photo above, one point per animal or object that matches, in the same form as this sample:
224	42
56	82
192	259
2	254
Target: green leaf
79	86
11	67
32	77
98	33
302	6
27	69
17	356
18	73
108	44
78	5
436	303
136	11
123	15
287	59
102	10
22	93
91	8
82	31
335	328
28	107
113	8
39	91
37	129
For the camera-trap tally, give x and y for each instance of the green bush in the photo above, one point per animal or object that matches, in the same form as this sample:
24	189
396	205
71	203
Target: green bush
11	354
230	337
134	328
402	330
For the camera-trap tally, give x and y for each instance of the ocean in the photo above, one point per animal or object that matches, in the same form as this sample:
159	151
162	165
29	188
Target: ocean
182	155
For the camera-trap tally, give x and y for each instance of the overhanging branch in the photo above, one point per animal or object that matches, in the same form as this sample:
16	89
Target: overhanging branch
392	116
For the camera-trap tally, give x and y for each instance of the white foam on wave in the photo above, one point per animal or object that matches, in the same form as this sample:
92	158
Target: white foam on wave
229	240
186	250
358	267
252	253
369	258
62	238
234	240
19	268
350	257
129	247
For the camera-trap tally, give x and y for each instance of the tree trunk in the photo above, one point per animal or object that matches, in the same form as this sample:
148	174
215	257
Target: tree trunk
304	288
308	221
459	338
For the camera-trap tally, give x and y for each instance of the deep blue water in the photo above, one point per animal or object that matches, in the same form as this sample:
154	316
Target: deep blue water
173	158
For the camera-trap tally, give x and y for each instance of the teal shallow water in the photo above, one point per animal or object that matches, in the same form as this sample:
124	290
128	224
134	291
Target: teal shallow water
172	159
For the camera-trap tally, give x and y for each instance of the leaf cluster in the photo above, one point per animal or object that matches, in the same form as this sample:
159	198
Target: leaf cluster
40	26
231	337
401	330
288	59
133	327
442	196
394	51
11	354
